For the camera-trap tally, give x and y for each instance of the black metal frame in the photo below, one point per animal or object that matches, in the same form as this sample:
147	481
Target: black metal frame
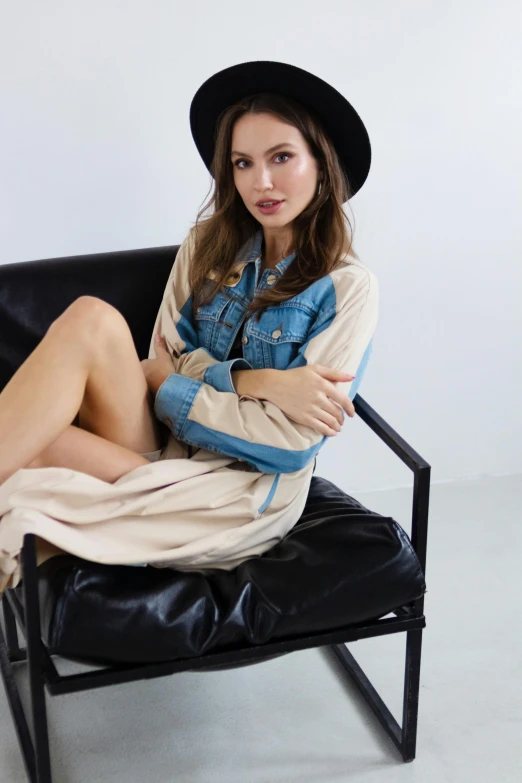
34	743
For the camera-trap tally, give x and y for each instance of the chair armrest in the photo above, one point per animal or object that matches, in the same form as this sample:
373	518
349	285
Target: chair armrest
421	476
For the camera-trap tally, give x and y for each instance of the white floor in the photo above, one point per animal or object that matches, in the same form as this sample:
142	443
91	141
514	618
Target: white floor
295	719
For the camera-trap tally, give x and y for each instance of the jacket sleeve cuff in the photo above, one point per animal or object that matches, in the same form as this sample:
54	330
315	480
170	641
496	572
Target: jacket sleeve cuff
174	400
219	375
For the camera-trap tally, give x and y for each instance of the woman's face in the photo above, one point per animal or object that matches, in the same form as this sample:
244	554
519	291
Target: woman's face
287	174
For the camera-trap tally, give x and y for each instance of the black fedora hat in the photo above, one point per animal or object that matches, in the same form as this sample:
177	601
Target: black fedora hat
342	123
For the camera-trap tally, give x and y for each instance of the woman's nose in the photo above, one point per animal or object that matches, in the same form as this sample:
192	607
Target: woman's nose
262	179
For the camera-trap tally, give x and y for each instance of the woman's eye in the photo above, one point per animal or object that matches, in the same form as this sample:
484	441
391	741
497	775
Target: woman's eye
242	160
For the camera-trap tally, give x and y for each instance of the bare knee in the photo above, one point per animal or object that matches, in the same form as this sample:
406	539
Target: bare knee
91	322
92	311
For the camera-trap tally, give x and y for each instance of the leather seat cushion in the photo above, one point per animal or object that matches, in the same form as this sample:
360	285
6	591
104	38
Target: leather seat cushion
341	564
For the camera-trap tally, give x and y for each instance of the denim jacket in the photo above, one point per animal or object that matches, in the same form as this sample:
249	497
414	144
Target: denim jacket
330	323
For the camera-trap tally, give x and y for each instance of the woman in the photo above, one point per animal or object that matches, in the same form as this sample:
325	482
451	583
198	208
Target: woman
266	316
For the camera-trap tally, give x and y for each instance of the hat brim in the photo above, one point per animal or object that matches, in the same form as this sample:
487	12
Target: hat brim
342	123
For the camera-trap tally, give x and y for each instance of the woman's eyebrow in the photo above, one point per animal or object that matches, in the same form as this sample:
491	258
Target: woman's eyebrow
272	149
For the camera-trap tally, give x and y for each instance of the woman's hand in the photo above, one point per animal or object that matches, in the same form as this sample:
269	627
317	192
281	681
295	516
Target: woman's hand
308	395
157	370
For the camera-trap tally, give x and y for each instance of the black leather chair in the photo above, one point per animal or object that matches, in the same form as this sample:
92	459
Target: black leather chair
336	577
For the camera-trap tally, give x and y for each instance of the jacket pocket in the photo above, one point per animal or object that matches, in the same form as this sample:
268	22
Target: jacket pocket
280	332
207	318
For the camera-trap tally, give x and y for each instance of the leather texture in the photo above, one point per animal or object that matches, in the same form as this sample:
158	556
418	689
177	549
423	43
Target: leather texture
342	564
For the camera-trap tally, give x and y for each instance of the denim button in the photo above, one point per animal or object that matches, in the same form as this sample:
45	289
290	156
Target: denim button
244	340
277	333
271	279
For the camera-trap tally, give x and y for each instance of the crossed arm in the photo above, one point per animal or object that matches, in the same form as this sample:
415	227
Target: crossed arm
276	420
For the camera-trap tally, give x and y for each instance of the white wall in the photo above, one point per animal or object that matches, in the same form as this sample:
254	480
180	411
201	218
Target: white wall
97	155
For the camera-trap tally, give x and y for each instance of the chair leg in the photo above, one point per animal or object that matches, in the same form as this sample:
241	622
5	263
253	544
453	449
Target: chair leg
11	632
35	750
35	662
404	738
17	710
410	708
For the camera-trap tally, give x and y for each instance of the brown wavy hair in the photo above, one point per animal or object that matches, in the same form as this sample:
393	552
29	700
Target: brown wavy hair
322	233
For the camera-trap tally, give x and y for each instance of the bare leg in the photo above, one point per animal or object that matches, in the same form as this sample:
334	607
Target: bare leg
83	451
44	396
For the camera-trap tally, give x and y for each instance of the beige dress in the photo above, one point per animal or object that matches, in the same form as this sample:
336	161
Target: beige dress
189	514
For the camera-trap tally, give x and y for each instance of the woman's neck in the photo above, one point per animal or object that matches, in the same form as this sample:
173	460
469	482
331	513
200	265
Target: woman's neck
269	260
